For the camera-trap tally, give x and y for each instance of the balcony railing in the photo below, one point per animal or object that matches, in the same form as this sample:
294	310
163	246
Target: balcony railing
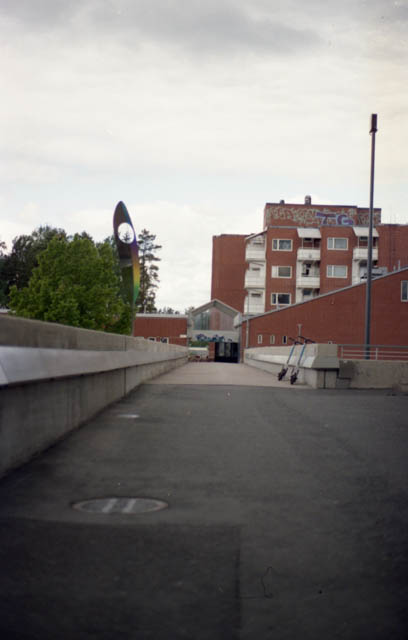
308	282
254	279
252	306
252	252
361	253
308	254
255	309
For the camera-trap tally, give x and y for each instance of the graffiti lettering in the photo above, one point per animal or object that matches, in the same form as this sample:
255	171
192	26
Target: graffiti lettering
337	218
216	338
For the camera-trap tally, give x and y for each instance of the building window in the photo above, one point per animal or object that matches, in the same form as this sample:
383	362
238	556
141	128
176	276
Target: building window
404	291
284	339
165	340
280	298
260	338
279	244
336	271
271	339
152	339
281	272
337	243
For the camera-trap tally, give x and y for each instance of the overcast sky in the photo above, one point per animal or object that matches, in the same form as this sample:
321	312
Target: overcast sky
195	113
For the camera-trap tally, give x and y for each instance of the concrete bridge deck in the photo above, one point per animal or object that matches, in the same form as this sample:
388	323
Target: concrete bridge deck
218	373
287	518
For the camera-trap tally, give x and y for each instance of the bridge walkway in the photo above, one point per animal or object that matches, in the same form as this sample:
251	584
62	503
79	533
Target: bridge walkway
219	373
286	517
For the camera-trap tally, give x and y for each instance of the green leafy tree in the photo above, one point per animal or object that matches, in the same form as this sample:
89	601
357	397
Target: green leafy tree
18	265
149	272
3	281
169	311
75	283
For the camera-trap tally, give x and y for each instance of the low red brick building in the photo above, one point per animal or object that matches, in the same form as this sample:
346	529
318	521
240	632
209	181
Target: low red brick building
338	316
161	327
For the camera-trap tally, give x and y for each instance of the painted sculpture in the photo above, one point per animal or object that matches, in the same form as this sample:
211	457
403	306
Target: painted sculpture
128	250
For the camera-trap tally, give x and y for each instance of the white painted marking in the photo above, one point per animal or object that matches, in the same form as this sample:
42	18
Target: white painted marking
110	505
129	506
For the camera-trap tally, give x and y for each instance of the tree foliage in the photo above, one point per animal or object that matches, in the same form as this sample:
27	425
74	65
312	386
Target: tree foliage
18	265
149	272
169	311
3	281
75	283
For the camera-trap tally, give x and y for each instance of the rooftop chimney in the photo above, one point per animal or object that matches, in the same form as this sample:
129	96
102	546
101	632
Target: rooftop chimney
308	199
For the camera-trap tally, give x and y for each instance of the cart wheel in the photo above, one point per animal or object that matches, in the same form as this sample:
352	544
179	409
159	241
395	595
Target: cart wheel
281	374
293	378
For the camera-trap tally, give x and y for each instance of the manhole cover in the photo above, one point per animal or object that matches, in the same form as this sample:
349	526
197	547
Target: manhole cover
120	505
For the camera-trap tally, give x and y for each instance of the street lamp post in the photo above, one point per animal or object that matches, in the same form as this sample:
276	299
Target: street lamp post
373	130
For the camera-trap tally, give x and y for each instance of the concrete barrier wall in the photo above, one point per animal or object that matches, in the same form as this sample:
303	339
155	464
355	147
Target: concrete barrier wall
321	369
318	365
373	374
54	378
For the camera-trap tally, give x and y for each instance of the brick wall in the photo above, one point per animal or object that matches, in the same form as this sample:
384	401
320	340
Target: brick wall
340	316
160	326
228	270
393	246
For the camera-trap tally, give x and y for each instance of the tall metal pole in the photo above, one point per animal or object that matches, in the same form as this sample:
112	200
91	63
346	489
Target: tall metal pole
373	130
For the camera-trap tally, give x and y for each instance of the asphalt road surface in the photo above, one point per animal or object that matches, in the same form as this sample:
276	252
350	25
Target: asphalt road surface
287	518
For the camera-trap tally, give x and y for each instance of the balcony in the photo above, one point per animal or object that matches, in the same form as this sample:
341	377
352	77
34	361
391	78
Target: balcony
361	253
308	282
254	279
254	252
254	307
308	254
254	302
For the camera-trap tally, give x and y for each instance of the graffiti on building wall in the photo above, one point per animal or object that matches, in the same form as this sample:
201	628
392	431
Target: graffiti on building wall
215	338
334	218
301	215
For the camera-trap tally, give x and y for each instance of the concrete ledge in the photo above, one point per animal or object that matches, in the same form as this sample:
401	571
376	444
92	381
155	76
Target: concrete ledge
321	369
46	391
20	365
374	374
318	366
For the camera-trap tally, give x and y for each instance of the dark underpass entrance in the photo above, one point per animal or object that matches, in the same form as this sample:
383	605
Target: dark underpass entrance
226	352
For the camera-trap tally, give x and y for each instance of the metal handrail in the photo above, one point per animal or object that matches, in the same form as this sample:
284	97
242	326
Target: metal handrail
372	352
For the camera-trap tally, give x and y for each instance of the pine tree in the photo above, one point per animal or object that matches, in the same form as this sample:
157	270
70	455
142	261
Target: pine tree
149	272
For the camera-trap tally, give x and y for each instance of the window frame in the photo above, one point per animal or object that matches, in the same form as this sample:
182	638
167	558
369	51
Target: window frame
334	248
260	338
281	293
278	241
275	271
404	294
333	266
272	339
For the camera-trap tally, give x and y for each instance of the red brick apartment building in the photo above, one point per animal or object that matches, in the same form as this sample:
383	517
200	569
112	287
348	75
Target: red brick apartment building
304	251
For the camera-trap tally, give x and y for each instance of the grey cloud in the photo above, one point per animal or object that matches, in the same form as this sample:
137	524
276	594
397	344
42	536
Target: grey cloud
210	27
